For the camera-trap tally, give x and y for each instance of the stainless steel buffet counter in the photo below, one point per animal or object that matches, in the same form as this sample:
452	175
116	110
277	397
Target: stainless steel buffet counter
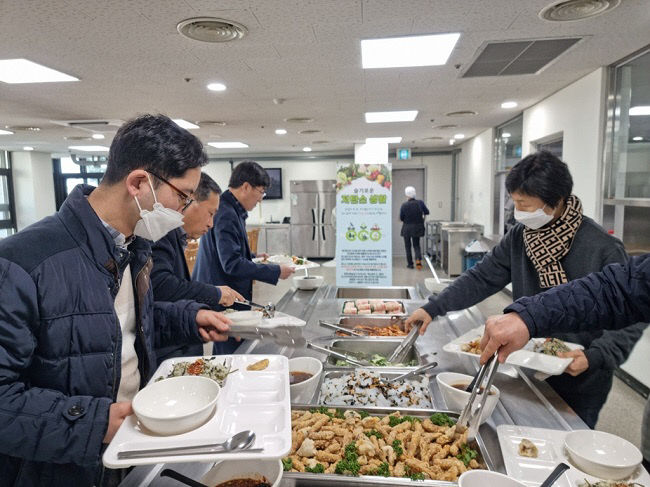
524	401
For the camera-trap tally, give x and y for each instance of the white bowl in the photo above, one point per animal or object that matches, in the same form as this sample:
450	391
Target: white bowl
434	286
307	283
602	454
485	478
303	392
242	469
457	399
176	405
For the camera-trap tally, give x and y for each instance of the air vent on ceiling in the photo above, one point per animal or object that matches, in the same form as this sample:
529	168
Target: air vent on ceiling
432	138
309	132
211	123
570	10
91	125
444	127
211	29
318	142
77	137
299	120
517	57
461	113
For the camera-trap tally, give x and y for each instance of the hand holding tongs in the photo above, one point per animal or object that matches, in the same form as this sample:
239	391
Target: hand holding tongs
336	327
470	418
404	348
269	308
417	371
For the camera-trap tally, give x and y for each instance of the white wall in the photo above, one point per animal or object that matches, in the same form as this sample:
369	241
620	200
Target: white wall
577	112
476	181
438	183
33	186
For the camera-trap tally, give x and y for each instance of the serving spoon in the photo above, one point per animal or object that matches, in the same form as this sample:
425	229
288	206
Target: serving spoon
241	441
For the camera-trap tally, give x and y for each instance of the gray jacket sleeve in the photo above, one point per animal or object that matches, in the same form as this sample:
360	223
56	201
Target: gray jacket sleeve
486	278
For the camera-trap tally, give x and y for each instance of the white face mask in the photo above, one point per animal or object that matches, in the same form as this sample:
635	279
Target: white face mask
154	225
533	219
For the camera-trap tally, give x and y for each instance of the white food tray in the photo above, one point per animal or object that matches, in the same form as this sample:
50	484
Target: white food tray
285	259
550	445
250	400
525	357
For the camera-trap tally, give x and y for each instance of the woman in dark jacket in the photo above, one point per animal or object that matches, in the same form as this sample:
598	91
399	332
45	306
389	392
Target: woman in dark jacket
552	243
411	214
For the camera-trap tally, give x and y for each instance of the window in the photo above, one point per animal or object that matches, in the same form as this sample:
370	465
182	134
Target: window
68	173
626	202
7	209
507	153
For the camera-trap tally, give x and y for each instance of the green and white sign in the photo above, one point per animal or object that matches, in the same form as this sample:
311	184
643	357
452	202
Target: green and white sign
363	225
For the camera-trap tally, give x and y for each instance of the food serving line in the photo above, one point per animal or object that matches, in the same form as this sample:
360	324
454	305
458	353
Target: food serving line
523	401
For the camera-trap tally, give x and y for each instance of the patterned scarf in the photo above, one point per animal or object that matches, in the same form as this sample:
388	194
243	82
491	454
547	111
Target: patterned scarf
546	246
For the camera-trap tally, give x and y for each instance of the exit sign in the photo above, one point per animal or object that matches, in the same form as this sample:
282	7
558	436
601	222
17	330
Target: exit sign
403	154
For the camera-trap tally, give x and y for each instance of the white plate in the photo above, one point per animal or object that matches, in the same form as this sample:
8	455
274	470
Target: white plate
526	357
255	400
286	259
550	443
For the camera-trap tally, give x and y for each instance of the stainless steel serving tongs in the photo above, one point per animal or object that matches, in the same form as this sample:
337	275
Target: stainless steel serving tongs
470	418
403	349
269	309
336	327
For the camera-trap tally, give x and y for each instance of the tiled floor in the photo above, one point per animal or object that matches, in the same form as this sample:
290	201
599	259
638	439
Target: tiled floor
621	414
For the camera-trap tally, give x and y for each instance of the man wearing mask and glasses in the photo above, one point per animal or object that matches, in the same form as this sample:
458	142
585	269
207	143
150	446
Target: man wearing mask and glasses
224	257
552	243
77	314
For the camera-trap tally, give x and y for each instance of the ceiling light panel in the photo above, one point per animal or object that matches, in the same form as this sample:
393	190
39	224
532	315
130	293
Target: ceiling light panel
6	132
639	111
397	116
400	52
185	124
216	87
89	148
25	71
385	140
228	145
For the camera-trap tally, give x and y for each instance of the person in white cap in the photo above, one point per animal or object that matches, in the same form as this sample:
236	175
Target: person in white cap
411	214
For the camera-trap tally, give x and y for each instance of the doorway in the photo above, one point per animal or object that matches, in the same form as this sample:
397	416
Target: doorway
402	178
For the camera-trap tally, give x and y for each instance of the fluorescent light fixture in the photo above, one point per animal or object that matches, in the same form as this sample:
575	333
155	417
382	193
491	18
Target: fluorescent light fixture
216	87
306	149
400	52
6	132
459	136
506	135
509	104
637	138
228	145
398	116
385	140
98	136
640	110
28	148
185	124
26	71
280	131
89	148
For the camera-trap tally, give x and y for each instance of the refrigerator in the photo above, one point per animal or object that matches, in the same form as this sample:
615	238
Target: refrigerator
313	233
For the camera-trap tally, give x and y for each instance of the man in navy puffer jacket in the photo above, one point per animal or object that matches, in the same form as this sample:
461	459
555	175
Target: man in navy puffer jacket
78	324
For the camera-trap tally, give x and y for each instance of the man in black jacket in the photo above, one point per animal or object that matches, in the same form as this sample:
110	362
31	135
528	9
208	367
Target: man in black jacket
613	299
170	276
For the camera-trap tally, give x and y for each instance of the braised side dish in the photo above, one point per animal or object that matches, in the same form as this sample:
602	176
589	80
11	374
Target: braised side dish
528	449
610	483
354	443
472	347
204	367
552	346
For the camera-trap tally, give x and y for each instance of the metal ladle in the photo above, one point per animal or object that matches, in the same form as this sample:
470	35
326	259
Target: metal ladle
241	441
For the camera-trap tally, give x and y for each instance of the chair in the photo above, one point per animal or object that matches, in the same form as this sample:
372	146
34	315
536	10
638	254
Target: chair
190	254
253	235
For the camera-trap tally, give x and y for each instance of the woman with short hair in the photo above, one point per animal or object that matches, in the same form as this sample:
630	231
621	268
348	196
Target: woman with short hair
552	243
